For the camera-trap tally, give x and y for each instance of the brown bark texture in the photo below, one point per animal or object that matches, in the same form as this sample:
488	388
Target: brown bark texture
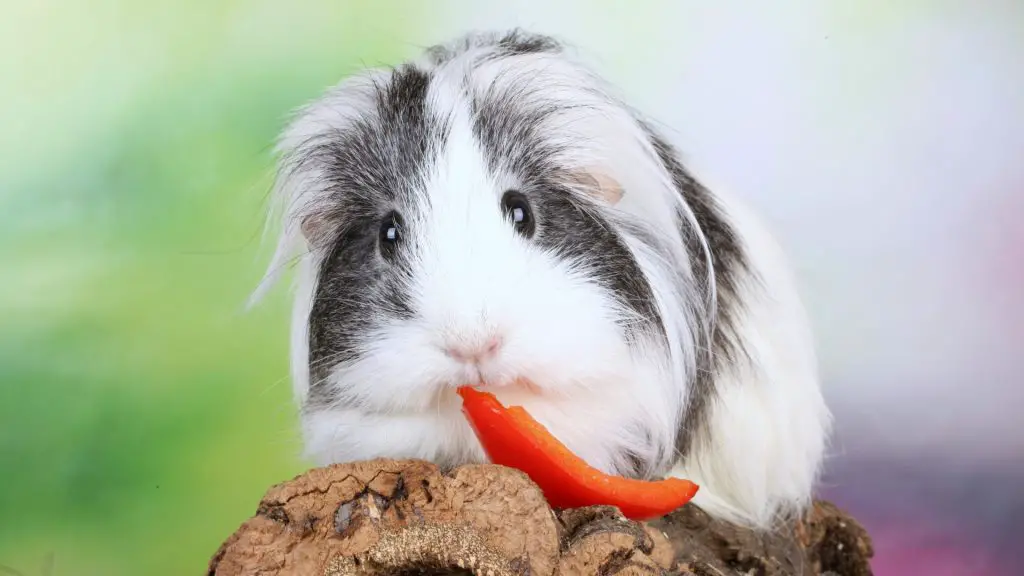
407	517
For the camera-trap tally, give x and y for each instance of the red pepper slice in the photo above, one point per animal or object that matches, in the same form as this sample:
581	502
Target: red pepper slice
511	437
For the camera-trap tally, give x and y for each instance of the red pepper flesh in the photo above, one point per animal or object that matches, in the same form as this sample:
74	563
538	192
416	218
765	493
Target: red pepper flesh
511	437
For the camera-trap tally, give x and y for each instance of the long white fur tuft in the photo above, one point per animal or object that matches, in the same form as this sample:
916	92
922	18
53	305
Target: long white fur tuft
761	455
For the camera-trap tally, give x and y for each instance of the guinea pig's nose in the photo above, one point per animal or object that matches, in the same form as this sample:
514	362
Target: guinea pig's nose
475	350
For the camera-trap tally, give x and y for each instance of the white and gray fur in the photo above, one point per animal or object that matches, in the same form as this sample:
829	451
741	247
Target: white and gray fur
649	323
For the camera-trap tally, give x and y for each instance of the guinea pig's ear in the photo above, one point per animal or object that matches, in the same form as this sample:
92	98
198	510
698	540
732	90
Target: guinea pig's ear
599	185
310	226
316	228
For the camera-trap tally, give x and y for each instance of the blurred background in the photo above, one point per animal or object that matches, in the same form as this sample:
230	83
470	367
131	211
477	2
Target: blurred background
143	412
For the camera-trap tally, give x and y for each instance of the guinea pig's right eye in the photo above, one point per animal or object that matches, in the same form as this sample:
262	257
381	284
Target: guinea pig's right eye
390	235
517	210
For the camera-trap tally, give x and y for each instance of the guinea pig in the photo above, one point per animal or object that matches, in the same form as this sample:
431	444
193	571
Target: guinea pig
493	214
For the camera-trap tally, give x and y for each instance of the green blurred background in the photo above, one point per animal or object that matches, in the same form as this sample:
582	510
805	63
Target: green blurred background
143	410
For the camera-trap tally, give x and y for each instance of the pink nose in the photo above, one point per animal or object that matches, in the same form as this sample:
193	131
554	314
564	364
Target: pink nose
472	352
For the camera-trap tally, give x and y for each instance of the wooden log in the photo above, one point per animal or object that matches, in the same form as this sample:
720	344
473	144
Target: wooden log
408	517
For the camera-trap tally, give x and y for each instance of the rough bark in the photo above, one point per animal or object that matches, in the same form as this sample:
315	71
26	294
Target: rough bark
406	517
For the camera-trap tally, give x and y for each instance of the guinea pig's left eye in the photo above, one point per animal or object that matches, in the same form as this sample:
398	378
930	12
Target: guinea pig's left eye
517	209
390	235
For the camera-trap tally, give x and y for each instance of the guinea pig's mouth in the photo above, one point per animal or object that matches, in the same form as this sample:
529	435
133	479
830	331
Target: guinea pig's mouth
492	378
518	384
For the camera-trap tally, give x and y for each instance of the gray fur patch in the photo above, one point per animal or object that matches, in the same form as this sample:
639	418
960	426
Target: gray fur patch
372	168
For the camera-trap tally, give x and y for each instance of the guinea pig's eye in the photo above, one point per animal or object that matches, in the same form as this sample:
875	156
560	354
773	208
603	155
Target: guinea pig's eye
517	209
390	235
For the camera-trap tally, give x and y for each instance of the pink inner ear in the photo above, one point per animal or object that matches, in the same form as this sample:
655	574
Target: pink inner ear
603	187
610	190
308	227
314	229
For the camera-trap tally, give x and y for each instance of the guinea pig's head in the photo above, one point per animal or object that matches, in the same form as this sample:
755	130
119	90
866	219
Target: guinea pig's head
488	215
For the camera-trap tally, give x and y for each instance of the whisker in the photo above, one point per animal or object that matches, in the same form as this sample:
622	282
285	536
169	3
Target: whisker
266	390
